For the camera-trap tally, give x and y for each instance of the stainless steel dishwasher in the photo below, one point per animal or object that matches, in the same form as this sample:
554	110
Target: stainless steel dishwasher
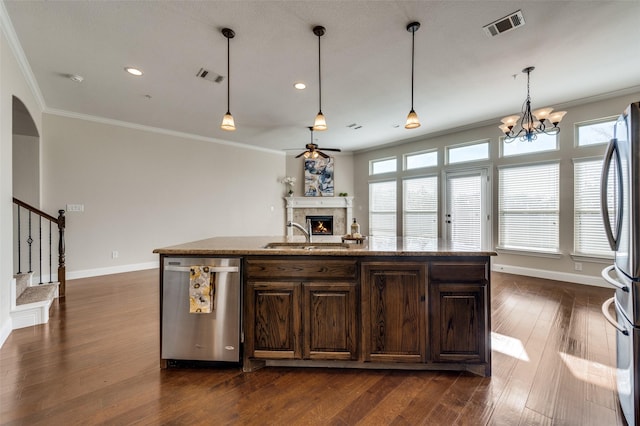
213	336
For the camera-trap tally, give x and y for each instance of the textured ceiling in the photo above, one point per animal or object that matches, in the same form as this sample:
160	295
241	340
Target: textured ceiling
580	49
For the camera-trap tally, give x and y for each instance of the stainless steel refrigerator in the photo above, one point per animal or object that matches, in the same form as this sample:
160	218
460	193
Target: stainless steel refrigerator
620	206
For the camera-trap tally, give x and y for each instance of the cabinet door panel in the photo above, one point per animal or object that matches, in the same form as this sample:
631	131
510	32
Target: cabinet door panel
459	326
393	312
275	328
330	321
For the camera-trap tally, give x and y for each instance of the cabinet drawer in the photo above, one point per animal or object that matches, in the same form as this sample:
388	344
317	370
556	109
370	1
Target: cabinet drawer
459	272
295	268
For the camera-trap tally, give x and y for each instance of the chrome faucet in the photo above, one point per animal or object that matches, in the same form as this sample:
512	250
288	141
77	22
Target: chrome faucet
307	232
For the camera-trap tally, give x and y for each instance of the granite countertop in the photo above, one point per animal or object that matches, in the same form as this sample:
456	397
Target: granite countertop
321	245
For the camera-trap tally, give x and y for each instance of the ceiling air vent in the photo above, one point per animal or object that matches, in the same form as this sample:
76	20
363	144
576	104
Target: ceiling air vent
211	76
505	24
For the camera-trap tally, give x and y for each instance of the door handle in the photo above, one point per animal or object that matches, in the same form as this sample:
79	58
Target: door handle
612	149
611	320
605	274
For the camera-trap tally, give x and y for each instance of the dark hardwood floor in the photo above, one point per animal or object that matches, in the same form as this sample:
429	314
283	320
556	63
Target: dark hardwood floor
97	362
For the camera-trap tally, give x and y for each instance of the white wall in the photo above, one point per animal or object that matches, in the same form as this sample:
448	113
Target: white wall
562	268
26	171
12	83
143	190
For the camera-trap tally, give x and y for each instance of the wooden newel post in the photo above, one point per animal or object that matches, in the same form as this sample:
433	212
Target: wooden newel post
62	278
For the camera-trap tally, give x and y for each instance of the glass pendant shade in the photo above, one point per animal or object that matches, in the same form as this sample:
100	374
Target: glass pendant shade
557	117
320	123
227	122
542	113
412	120
511	120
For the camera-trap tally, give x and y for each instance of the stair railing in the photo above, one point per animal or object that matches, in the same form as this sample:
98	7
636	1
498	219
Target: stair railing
28	238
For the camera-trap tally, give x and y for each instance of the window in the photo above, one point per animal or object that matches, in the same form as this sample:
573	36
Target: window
595	132
542	143
528	207
382	208
420	207
588	236
419	160
469	152
385	165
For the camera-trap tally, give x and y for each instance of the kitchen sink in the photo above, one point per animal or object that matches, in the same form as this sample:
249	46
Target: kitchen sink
308	246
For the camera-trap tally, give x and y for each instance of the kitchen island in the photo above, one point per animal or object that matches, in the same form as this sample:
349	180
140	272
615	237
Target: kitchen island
410	303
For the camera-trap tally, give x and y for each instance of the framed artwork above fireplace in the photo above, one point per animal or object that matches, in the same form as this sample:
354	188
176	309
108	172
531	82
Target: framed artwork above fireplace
318	177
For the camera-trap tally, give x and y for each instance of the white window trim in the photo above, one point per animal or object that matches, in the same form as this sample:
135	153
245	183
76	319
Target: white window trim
576	139
377	160
501	143
427	151
556	254
462	145
438	198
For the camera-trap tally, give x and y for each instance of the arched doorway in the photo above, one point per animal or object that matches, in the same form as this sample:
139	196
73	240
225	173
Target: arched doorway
26	155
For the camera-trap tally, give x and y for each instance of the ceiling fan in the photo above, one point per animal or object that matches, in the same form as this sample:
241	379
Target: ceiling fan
313	151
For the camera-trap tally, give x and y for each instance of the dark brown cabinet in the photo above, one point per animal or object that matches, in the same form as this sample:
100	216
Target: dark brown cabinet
460	313
301	309
330	320
394	311
274	328
430	312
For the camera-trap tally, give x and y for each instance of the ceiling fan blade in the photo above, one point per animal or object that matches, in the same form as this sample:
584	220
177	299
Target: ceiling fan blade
301	154
331	149
322	154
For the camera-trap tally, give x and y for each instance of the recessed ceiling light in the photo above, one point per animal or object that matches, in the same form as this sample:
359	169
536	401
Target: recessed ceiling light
75	77
300	86
133	71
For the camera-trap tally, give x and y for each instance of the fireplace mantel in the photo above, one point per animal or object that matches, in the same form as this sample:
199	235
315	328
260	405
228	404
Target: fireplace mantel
319	203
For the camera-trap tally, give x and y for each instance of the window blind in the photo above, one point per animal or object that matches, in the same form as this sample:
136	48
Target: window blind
528	207
420	207
382	208
589	235
464	199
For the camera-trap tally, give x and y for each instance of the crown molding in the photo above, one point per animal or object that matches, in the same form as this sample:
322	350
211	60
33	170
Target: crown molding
144	128
12	39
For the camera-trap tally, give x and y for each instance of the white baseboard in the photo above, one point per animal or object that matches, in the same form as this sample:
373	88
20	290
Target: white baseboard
597	281
5	331
87	273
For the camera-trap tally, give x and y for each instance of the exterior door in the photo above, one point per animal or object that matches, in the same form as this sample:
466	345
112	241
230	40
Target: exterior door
467	219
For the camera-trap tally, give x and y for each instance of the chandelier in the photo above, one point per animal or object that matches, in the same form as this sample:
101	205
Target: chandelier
532	123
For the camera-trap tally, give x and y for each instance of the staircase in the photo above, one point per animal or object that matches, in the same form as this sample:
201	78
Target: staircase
32	302
37	237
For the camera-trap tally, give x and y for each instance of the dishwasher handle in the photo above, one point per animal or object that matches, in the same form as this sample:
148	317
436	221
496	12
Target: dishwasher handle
211	268
611	320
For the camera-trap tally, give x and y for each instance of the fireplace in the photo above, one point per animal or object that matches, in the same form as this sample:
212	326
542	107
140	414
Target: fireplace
340	208
321	225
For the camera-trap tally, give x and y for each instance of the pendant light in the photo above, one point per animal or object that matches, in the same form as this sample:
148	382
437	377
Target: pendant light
227	121
320	123
412	119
